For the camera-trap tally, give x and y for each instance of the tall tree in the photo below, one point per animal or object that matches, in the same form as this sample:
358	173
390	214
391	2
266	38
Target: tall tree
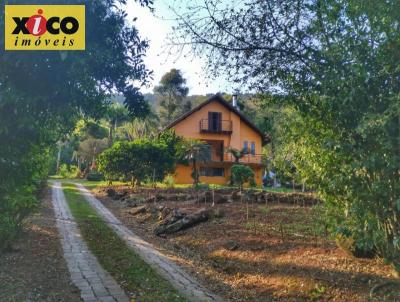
115	115
172	93
337	63
42	93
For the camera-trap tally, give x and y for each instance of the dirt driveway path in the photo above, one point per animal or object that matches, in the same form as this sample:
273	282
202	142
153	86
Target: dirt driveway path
187	286
94	283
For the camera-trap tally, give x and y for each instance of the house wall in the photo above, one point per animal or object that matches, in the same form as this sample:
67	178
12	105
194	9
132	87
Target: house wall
190	128
183	175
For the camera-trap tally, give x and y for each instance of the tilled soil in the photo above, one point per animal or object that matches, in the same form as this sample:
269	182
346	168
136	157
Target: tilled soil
275	255
35	269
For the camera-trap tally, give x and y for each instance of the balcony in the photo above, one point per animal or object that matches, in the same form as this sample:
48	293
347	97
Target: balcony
246	159
213	126
217	157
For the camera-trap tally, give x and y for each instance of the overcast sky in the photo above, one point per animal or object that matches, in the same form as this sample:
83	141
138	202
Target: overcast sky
155	28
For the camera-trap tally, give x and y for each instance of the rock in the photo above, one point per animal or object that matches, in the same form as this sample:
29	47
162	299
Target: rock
139	210
231	245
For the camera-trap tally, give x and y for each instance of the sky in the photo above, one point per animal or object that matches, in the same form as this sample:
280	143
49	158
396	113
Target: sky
155	27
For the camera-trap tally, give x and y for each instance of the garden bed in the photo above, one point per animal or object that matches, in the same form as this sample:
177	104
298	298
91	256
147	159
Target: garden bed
260	251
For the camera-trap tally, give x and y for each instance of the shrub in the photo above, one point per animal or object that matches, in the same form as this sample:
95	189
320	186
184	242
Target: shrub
94	176
169	181
68	171
13	210
137	160
241	174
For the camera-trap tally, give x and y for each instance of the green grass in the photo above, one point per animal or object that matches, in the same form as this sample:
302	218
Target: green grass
94	184
130	271
280	190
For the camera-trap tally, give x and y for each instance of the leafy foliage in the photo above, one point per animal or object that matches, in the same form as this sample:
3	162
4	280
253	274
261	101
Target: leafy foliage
237	154
336	64
241	174
68	171
195	151
138	161
42	94
138	128
171	95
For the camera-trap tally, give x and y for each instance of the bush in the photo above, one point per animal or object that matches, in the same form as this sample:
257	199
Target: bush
241	174
68	171
169	181
137	160
353	246
94	176
13	210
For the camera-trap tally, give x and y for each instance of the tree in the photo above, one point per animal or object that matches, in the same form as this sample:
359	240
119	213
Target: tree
336	64
171	95
173	142
43	93
89	149
195	151
139	128
115	115
139	160
275	117
241	174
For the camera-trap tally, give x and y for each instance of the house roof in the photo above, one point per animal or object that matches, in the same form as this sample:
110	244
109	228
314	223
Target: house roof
217	98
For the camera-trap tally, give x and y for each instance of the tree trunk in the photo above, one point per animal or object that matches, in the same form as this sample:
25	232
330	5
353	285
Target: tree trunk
110	135
184	223
195	174
58	159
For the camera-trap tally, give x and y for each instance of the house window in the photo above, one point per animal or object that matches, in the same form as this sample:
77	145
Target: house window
253	148
215	121
246	145
212	172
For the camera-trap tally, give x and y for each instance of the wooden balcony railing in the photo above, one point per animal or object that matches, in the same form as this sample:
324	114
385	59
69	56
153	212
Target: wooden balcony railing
223	127
246	159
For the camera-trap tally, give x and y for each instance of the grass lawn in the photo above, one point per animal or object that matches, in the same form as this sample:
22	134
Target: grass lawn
130	271
94	184
90	185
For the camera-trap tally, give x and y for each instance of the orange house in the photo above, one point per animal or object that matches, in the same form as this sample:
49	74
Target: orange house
221	125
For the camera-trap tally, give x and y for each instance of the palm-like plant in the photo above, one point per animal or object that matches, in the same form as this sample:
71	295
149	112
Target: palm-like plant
237	154
140	128
195	151
115	114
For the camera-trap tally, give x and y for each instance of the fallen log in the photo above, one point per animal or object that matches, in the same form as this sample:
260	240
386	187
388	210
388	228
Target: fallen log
183	223
139	210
